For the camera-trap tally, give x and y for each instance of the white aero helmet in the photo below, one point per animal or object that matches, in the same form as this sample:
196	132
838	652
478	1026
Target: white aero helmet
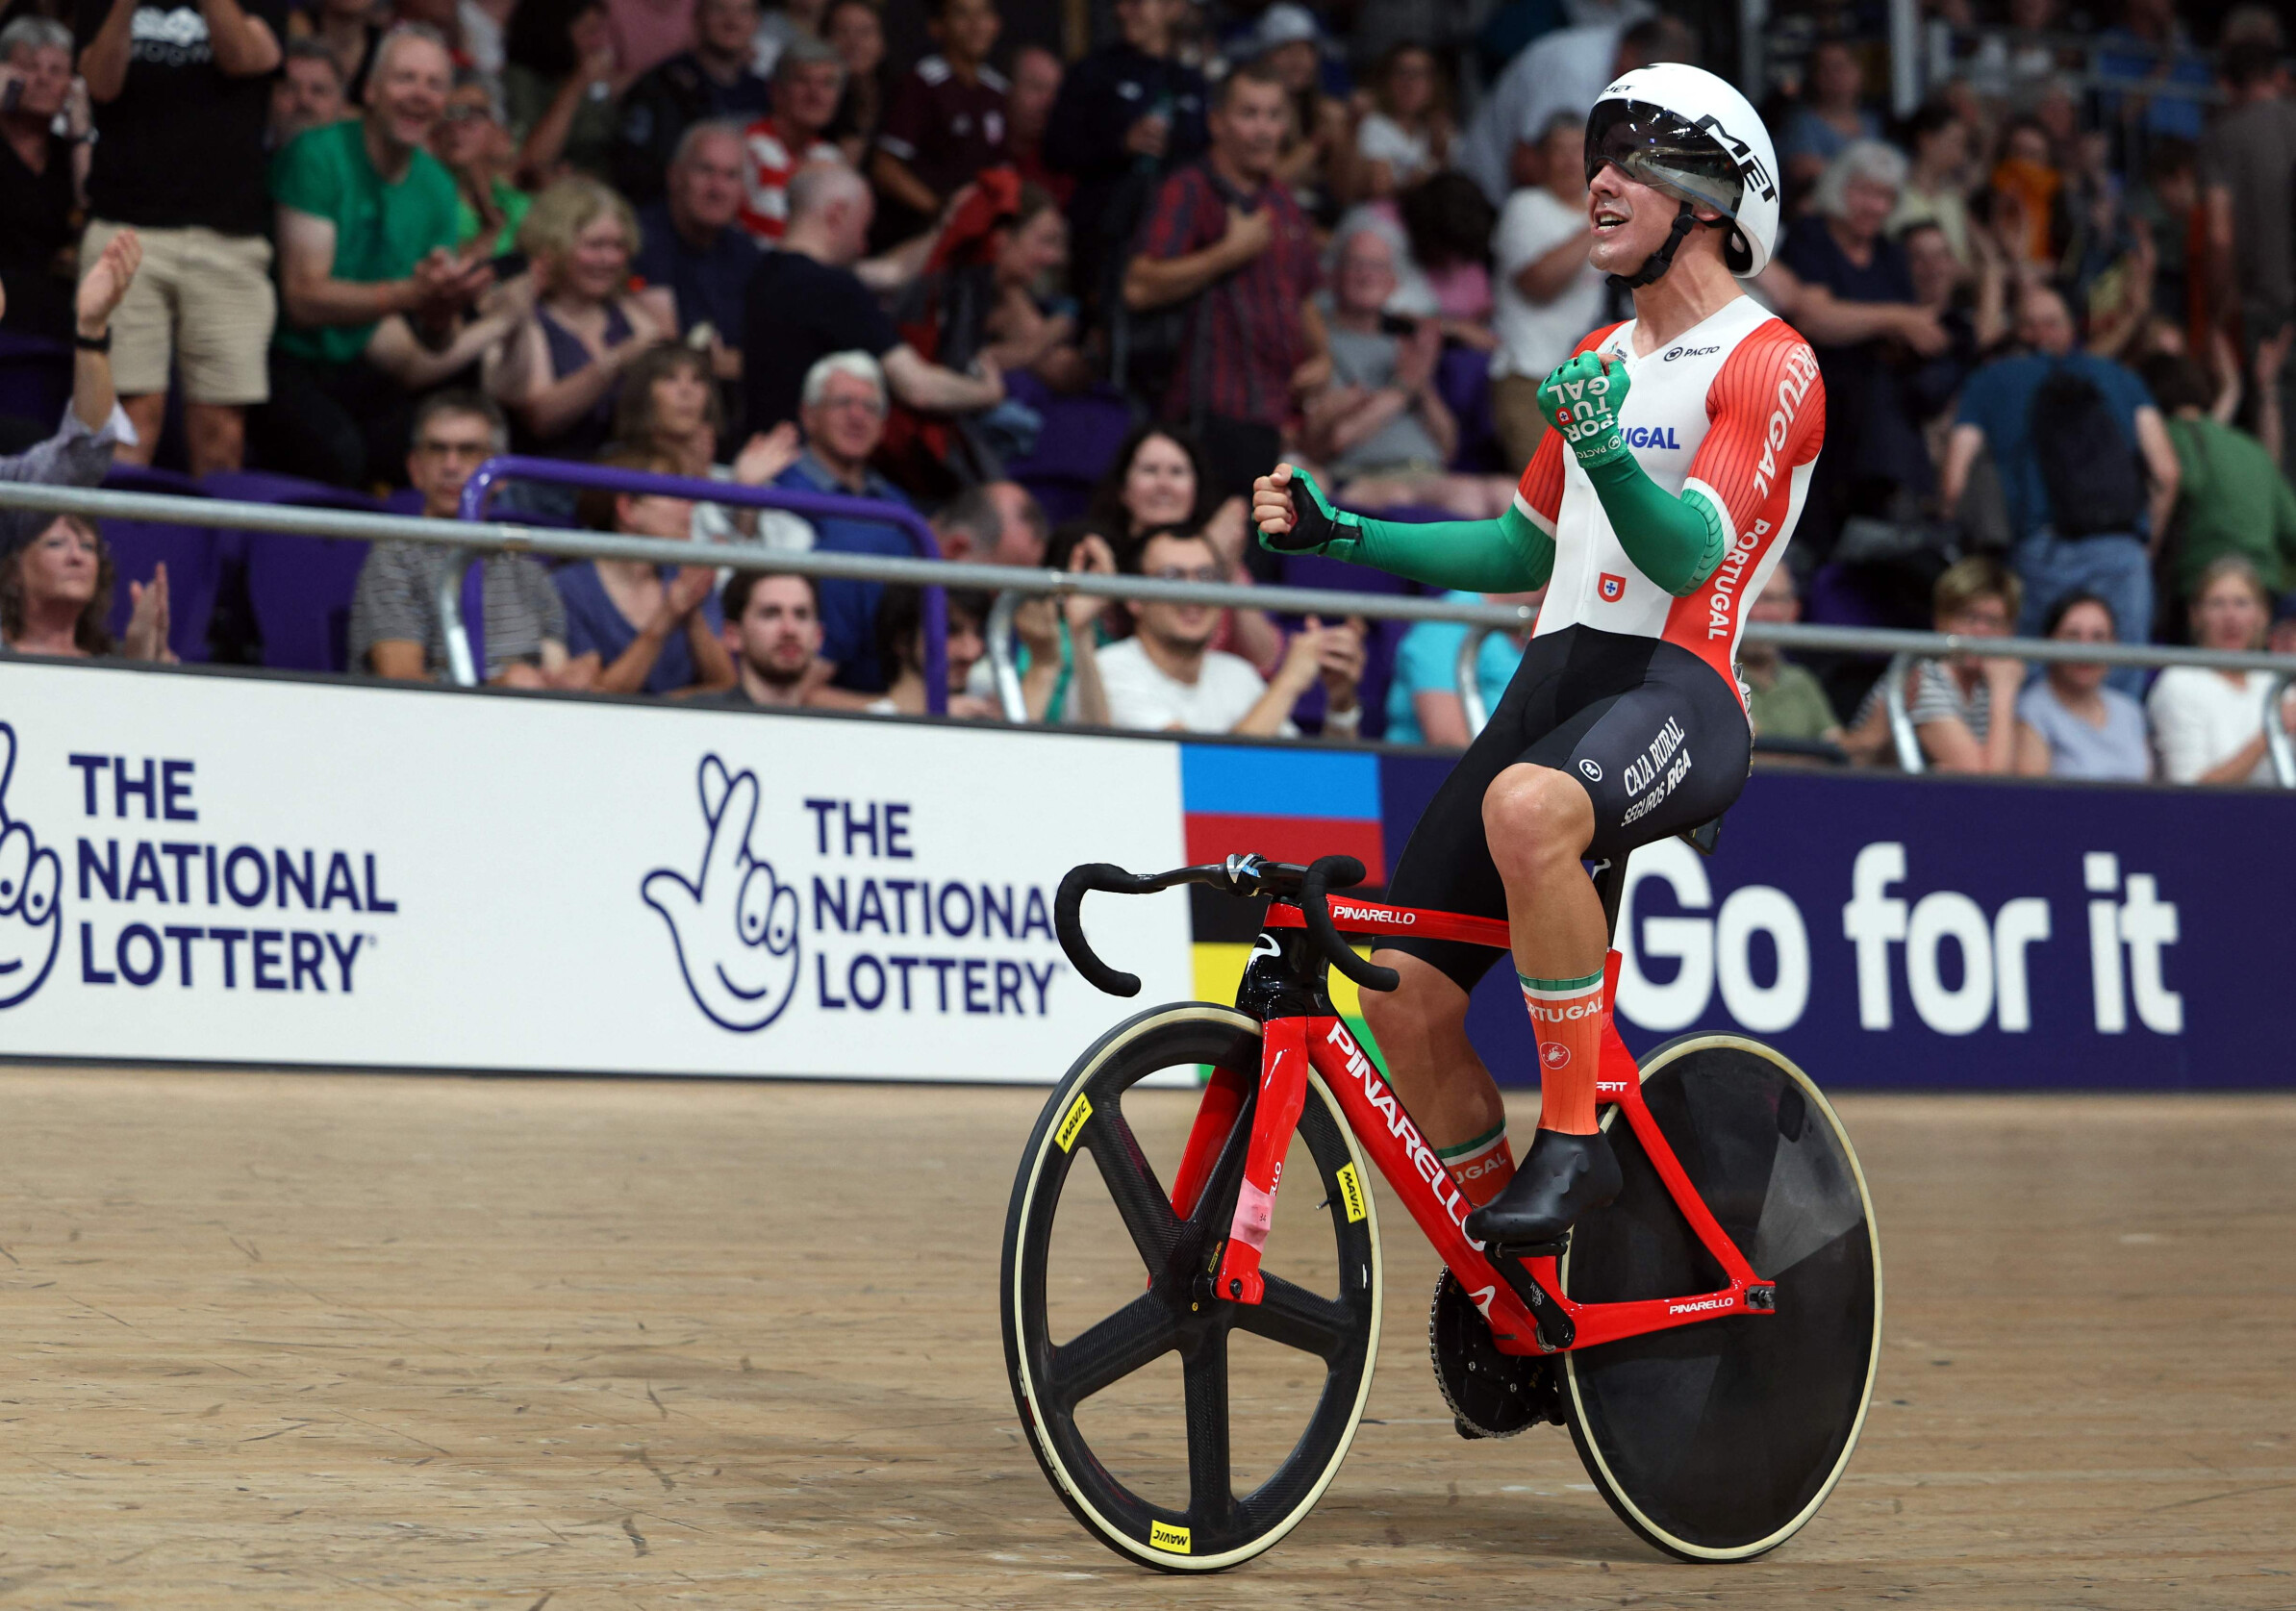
1683	131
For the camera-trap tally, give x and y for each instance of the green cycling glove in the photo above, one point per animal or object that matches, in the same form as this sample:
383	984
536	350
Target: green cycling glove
1582	399
1507	555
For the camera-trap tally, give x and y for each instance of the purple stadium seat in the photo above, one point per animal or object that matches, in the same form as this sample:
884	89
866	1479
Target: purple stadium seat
1082	432
35	377
192	555
299	588
1838	598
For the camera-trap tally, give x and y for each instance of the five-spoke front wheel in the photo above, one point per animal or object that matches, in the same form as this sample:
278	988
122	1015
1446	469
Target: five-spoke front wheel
1184	1431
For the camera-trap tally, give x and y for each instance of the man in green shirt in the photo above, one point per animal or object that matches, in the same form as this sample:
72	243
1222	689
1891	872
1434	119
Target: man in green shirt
2233	498
366	228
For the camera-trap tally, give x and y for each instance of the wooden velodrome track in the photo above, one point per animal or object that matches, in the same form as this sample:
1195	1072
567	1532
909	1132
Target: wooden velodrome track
348	1340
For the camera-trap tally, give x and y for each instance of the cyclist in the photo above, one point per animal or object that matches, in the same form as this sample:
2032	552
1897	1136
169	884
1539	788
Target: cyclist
1661	499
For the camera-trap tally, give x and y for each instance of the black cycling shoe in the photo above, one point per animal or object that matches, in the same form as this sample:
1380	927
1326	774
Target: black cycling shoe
1564	1176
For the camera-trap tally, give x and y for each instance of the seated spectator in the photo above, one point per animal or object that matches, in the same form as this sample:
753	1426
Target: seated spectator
1029	114
366	227
1408	133
1963	710
1937	186
1423	700
1059	641
808	77
1548	297
1166	677
1379	425
1317	162
474	144
348	31
1128	114
561	80
669	404
805	302
2102	436
182	97
643	628
2092	731
1156	482
1030	324
1972	312
842	412
1227	239
80	452
900	648
1831	118
710	83
1783	700
560	375
854	29
2207	725
774	632
999	523
945	122
397	630
2232	497
43	175
695	250
309	93
55	590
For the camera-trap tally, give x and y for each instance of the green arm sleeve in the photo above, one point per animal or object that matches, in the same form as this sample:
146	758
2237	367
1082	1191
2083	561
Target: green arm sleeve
1506	555
1677	542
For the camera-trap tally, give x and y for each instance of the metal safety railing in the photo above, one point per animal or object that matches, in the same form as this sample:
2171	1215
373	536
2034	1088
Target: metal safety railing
1016	583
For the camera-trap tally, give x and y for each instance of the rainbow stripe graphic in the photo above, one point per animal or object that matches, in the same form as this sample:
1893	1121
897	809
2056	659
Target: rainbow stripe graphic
1288	805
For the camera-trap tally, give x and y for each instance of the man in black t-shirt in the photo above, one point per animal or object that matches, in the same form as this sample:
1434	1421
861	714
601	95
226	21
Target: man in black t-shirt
182	94
805	302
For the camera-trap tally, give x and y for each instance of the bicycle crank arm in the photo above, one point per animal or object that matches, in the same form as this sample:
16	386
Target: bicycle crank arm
1556	1331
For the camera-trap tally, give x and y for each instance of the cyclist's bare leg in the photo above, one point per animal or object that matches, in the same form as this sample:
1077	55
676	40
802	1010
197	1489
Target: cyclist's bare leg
1421	1026
1538	823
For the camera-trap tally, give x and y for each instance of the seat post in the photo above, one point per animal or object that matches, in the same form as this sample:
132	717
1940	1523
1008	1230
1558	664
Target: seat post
1610	886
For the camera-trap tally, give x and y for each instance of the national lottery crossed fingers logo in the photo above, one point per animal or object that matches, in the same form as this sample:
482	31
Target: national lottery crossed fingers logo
736	927
31	894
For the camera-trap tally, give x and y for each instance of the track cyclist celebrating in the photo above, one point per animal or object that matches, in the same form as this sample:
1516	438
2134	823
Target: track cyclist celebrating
1658	504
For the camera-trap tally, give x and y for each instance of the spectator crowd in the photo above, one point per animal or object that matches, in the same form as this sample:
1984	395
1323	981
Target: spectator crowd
1062	308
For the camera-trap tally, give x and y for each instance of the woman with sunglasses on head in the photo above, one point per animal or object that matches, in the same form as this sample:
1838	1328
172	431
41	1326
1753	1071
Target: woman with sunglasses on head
1653	512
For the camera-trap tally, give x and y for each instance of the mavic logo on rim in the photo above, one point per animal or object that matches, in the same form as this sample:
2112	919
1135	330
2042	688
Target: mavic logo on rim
1163	1535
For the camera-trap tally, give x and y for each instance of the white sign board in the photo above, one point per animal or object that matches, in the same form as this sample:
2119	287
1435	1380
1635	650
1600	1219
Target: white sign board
251	870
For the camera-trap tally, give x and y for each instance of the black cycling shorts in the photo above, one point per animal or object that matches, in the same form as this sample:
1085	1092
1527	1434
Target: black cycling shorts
1653	735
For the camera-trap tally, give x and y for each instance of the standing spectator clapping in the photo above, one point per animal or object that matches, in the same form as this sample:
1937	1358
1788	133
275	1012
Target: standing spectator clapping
560	374
183	102
2092	731
366	225
562	77
2209	724
693	248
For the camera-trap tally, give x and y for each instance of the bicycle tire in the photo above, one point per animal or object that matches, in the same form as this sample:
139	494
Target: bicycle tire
1718	1442
1218	1528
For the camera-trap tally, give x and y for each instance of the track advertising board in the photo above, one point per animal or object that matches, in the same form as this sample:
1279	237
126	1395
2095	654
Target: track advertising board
211	868
255	871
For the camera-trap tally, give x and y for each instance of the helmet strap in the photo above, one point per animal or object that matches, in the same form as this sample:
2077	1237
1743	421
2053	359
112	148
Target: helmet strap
1654	267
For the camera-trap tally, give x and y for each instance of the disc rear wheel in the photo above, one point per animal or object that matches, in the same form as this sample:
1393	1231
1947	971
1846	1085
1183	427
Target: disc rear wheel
1185	1432
1718	1441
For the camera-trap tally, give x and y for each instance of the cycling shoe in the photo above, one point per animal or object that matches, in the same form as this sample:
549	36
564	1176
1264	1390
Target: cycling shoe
1564	1176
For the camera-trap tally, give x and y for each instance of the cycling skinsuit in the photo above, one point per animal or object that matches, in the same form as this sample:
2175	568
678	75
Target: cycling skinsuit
1626	687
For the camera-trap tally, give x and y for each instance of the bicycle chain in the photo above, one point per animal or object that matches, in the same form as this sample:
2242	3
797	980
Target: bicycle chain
1531	1396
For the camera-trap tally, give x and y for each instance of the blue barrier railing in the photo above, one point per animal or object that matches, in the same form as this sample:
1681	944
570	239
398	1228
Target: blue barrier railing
484	482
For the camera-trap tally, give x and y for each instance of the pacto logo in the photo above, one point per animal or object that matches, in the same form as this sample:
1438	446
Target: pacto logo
736	931
31	885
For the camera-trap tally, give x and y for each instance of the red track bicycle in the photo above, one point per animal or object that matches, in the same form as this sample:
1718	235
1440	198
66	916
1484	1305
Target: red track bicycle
1709	1339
